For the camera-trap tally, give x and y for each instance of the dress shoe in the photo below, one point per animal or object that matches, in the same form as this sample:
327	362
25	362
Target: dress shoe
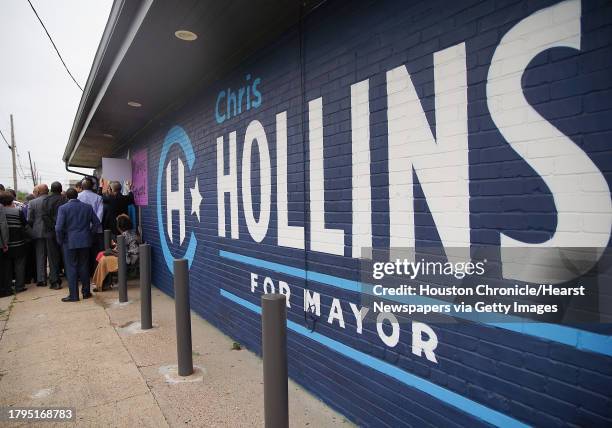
69	299
41	284
87	296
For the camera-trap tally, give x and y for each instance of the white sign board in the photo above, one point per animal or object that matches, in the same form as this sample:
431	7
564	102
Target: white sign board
114	169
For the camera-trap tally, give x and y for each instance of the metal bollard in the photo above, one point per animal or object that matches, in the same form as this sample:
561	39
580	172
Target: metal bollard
183	317
274	349
107	239
122	275
146	321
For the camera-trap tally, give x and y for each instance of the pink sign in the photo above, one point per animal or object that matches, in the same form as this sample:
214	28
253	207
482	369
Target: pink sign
139	177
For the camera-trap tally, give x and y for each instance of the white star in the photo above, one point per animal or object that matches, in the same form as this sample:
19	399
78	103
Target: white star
196	200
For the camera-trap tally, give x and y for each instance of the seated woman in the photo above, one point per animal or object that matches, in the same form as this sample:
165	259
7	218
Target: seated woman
108	263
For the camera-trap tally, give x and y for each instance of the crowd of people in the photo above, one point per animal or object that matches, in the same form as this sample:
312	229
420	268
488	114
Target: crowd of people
56	233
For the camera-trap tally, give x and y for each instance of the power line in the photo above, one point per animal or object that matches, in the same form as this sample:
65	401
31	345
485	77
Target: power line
55	47
23	175
7	143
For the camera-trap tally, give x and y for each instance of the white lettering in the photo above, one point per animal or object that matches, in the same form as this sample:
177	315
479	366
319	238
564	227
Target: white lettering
269	283
258	229
227	184
440	163
359	314
419	345
322	239
362	191
312	302
563	166
175	201
392	339
335	313
283	289
288	236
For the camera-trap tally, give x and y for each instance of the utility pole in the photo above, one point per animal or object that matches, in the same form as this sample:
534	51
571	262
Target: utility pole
13	150
32	170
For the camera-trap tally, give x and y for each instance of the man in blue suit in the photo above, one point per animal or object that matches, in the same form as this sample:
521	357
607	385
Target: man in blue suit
74	229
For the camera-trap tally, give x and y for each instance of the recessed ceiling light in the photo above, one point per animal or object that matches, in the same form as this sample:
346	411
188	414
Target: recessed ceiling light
107	135
186	35
134	104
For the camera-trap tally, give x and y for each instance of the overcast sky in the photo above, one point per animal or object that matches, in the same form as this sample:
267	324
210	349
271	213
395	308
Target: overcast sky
34	85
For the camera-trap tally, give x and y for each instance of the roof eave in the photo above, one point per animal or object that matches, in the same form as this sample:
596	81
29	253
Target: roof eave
105	64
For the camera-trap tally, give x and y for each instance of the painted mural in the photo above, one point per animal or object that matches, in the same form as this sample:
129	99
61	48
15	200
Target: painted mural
402	126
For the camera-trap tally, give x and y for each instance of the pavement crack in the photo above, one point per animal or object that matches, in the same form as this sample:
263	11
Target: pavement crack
8	316
114	401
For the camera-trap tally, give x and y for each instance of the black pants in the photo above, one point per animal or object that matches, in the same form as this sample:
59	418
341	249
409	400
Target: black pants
5	289
40	249
13	266
30	262
55	259
77	268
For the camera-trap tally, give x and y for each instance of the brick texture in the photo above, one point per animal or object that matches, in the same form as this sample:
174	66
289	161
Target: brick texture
532	380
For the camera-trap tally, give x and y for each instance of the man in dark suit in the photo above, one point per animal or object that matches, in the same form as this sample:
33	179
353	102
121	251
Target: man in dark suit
75	227
50	209
39	233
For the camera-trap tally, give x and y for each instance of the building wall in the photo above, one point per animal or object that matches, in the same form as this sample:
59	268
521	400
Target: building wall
508	136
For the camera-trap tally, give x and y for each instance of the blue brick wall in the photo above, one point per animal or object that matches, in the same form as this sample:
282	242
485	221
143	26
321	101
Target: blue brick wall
529	379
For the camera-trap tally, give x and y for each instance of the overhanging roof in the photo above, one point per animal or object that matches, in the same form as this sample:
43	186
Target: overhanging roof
140	59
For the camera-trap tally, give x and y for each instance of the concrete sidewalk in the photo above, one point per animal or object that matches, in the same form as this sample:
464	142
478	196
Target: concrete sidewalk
93	356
